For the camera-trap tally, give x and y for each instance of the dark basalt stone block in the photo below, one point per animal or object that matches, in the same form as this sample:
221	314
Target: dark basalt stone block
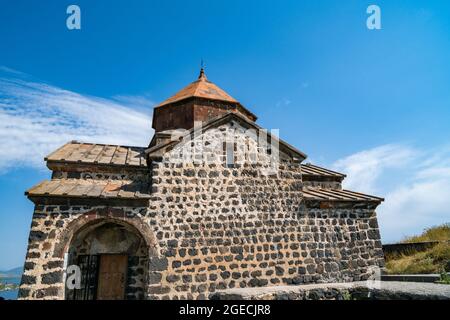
158	264
52	277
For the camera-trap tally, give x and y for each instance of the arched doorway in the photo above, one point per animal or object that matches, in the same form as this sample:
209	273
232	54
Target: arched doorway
113	259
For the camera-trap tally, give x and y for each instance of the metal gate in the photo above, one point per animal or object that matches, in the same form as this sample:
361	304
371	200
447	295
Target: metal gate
89	265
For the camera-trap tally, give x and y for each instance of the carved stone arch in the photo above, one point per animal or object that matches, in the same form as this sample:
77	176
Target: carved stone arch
98	216
97	241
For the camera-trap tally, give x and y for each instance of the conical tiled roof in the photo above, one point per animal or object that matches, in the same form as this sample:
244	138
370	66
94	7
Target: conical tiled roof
201	88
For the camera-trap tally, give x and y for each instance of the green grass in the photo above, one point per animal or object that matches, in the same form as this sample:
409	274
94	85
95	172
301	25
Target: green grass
8	286
432	260
444	278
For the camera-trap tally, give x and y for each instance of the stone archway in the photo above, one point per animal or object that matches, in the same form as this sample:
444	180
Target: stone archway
99	215
113	258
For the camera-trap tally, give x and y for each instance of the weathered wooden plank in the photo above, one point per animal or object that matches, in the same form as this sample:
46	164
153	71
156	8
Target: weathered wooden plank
92	155
311	194
106	154
43	187
362	195
111	189
337	194
96	190
64	188
79	152
101	154
119	156
128	190
133	157
81	190
62	152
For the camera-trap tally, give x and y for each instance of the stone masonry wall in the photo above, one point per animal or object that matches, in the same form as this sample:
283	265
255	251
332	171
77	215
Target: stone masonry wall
195	255
52	229
322	184
222	227
266	237
212	226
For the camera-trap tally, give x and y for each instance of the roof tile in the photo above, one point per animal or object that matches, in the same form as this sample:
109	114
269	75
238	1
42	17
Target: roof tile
88	153
313	193
90	189
310	169
201	88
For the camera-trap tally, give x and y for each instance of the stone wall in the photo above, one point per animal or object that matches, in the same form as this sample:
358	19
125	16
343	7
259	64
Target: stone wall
359	290
221	227
53	230
266	237
396	249
212	226
322	184
91	174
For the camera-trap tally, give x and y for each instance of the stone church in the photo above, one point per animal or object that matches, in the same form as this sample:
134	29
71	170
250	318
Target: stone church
214	202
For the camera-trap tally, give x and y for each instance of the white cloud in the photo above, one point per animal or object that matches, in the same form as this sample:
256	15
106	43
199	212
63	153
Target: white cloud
36	118
364	168
415	184
411	208
283	103
141	103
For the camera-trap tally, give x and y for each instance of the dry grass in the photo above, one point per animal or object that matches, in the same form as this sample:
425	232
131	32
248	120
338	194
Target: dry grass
433	260
438	233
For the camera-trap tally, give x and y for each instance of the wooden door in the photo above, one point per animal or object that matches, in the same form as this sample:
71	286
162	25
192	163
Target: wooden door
112	277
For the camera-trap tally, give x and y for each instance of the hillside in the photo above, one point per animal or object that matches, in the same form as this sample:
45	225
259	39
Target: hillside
16	272
438	233
432	260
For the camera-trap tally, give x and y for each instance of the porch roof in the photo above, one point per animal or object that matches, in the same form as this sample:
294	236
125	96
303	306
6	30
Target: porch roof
322	194
99	154
77	188
309	169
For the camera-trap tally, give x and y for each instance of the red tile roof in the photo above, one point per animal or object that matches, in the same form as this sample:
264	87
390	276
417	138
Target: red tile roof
201	88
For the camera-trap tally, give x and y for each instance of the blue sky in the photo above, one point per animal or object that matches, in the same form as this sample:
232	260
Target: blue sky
374	104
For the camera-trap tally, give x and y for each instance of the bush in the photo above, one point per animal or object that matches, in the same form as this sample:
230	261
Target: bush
444	278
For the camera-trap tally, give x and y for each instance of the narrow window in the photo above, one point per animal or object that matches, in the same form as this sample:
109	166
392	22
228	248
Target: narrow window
230	154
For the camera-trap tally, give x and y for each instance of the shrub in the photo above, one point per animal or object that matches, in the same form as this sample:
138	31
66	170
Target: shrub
444	278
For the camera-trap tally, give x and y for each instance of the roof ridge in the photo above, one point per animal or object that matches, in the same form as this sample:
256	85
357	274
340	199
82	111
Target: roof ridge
314	166
99	144
194	89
